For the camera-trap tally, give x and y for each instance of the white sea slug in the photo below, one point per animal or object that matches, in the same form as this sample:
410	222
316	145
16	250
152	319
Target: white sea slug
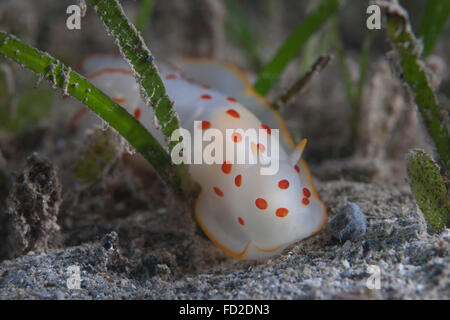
246	214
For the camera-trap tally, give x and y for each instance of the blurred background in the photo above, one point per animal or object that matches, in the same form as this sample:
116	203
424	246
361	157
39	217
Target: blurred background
356	114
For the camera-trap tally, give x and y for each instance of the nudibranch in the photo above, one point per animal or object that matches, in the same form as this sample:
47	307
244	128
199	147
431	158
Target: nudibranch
246	214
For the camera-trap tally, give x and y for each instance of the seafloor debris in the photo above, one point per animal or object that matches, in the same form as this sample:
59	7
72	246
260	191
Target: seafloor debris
109	252
350	223
32	207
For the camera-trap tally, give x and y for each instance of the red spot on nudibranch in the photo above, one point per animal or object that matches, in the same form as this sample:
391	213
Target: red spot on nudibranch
171	77
305	201
297	168
261	203
238	180
261	147
204	86
306	192
218	191
137	113
236	137
266	127
226	167
283	184
231	99
233	113
241	221
282	212
206	97
204	125
126	155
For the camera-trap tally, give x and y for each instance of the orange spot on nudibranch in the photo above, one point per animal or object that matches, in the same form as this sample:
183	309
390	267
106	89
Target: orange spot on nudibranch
206	97
204	125
297	168
119	100
257	147
231	99
218	191
171	77
283	184
282	212
261	203
236	137
226	167
266	127
241	221
137	113
305	201
238	180
306	192
109	70
233	113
